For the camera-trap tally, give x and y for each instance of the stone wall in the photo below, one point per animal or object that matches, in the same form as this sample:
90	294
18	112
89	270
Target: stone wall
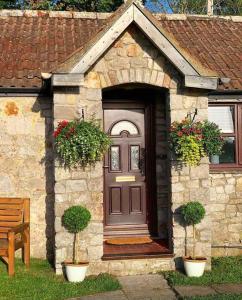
226	213
26	163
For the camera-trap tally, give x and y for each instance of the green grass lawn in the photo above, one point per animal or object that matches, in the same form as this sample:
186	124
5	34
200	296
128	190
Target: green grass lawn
40	282
224	270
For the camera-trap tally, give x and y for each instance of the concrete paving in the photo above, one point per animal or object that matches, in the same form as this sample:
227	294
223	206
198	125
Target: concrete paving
140	287
213	289
192	291
228	288
155	287
146	287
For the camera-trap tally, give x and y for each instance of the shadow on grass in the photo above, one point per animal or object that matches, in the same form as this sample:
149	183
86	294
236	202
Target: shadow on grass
40	282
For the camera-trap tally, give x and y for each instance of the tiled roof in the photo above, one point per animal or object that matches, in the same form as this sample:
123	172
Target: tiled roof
35	42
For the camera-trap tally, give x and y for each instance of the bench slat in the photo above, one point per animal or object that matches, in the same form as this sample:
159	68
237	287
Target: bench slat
11	206
11	200
11	218
11	212
3	235
9	224
3	252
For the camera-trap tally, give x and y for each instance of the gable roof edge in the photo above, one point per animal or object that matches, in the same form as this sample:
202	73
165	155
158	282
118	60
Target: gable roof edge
81	61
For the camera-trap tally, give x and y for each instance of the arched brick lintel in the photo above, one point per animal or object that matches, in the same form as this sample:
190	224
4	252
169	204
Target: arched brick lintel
118	77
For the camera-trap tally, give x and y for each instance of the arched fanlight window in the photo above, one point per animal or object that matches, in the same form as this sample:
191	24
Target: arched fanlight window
126	126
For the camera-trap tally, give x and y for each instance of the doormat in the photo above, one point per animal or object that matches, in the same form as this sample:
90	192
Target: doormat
129	241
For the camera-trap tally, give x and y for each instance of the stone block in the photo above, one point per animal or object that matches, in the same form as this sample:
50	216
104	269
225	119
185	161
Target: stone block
132	75
239	185
95	252
189	102
80	198
95	185
200	172
113	77
93	80
60	187
139	75
176	102
134	50
58	225
95	228
96	240
139	62
60	198
76	185
63	239
60	255
160	79
153	77
94	94
64	112
177	187
119	64
6	184
111	54
125	75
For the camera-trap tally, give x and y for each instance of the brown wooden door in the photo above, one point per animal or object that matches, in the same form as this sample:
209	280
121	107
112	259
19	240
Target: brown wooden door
125	184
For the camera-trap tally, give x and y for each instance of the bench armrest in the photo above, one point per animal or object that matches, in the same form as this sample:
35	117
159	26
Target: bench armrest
18	229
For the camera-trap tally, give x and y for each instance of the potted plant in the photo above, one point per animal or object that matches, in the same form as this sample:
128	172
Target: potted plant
193	213
75	219
80	143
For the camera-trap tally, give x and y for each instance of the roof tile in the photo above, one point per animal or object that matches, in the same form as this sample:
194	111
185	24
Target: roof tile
32	42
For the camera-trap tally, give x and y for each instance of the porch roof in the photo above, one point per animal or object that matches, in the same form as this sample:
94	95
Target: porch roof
35	42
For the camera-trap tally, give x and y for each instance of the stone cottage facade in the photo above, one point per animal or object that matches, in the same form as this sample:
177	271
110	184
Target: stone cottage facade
97	64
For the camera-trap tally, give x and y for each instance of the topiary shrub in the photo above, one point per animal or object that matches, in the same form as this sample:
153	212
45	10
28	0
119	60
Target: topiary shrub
75	219
193	213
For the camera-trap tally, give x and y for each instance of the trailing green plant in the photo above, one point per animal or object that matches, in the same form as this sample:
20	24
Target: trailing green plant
193	140
80	143
193	212
75	219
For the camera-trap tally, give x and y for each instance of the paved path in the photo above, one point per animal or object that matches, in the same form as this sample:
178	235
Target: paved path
155	287
140	287
213	289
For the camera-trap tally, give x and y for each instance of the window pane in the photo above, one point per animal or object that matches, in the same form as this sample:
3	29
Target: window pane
223	116
124	126
228	155
134	157
115	158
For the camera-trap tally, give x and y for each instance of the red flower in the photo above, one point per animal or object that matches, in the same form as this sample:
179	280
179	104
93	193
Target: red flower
63	123
179	133
72	130
55	134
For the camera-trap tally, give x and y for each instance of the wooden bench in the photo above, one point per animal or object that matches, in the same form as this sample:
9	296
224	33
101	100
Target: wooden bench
14	230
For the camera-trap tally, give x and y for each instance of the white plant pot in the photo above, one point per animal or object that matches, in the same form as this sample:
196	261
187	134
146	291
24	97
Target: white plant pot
194	267
76	273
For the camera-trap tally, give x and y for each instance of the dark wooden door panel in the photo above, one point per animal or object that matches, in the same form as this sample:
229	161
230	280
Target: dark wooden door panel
136	201
125	182
115	205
